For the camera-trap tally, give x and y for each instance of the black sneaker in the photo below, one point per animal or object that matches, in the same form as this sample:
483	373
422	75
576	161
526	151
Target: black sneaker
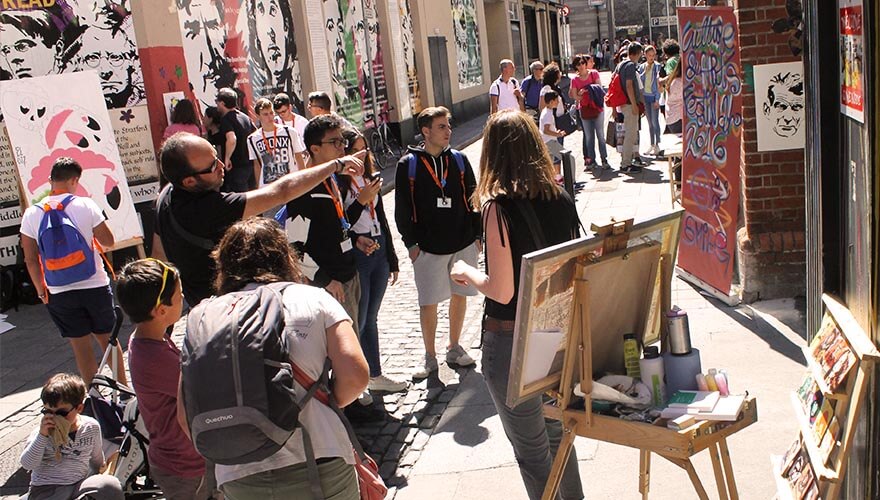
640	162
631	169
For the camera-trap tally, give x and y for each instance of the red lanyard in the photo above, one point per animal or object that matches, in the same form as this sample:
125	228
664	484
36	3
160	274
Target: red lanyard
270	147
440	183
357	190
337	197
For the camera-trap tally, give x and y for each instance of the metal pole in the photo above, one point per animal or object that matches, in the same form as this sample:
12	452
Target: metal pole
598	26
668	25
650	30
373	102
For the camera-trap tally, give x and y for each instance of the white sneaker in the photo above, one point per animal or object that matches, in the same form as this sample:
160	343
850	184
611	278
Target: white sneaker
458	356
384	384
655	149
365	399
430	365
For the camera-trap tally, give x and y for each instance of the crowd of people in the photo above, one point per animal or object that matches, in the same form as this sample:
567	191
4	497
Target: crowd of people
296	200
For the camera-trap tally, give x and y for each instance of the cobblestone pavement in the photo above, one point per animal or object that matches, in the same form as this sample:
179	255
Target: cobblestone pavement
397	427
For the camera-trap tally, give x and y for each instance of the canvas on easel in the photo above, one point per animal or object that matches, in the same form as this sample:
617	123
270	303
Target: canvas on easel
44	125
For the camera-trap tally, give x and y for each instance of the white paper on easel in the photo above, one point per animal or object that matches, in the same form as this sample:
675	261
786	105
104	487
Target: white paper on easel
540	352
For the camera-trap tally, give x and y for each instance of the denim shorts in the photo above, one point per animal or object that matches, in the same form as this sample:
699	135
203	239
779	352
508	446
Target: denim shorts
78	313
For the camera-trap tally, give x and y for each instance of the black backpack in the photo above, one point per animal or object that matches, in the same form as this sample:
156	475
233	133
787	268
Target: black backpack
237	376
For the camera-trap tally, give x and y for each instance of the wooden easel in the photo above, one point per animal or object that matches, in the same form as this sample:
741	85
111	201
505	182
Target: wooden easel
676	446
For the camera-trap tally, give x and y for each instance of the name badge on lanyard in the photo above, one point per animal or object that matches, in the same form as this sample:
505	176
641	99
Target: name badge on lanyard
345	245
375	231
444	202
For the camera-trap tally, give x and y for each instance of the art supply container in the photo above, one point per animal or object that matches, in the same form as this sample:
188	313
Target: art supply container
679	333
681	371
653	375
631	355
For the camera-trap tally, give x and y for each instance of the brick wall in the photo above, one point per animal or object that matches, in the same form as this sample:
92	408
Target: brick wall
772	260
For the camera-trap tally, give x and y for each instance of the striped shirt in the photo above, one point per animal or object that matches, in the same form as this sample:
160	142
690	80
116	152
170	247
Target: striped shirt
80	457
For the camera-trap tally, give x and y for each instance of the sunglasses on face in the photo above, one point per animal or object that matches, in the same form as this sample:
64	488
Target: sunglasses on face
208	170
60	412
165	271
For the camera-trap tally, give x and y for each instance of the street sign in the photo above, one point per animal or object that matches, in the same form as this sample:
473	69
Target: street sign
596	3
664	21
566	10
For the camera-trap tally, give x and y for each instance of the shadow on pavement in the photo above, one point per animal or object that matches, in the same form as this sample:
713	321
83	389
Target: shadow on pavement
466	413
17	484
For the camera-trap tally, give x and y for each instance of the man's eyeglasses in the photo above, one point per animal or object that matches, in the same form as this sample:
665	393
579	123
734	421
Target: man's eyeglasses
208	170
60	412
165	271
337	142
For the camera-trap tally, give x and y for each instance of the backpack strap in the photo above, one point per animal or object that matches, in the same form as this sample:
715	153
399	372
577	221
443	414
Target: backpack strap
411	173
192	239
459	161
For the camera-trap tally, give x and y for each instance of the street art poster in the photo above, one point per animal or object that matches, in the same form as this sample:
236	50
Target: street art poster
467	43
357	71
408	40
244	44
852	60
712	87
67	36
8	179
44	126
780	106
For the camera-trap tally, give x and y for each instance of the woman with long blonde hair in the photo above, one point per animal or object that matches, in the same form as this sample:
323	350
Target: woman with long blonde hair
517	190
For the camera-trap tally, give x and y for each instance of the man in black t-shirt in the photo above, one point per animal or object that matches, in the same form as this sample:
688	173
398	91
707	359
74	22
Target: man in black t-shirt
235	127
192	213
630	162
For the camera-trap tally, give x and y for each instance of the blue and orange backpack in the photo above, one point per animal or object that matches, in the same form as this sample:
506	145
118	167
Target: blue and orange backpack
65	254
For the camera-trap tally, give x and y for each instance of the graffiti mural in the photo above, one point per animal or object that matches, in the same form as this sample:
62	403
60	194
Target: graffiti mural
409	56
467	43
244	44
354	49
74	35
43	129
711	143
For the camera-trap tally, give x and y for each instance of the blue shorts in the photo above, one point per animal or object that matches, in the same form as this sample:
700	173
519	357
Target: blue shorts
78	313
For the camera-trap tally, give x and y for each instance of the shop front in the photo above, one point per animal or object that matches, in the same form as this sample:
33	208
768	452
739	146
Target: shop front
842	175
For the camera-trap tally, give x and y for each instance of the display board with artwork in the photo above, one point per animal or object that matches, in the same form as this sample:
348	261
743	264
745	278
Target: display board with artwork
827	405
41	130
467	43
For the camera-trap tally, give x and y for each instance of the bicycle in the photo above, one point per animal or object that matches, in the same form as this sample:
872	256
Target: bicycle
383	144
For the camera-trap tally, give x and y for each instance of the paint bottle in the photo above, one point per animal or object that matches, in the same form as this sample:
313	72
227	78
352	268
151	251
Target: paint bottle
721	382
652	373
701	382
631	355
710	380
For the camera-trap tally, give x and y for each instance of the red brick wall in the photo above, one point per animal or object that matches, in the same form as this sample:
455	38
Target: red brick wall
771	245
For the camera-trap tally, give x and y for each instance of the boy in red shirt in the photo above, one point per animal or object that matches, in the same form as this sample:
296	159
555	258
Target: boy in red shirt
149	292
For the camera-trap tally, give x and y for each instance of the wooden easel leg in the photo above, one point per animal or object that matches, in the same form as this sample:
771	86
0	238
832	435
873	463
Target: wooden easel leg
568	434
719	474
728	469
644	473
687	465
140	251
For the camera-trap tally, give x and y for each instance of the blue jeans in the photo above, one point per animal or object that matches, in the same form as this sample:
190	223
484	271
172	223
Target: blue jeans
594	129
373	271
653	115
535	439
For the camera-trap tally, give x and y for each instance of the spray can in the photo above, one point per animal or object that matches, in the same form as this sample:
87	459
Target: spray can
653	375
631	355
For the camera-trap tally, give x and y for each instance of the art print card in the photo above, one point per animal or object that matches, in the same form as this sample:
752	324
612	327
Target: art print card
806	390
790	455
780	106
829	441
833	354
45	125
820	423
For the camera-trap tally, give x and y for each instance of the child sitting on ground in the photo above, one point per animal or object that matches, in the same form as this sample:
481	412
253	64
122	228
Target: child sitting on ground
149	292
64	453
549	132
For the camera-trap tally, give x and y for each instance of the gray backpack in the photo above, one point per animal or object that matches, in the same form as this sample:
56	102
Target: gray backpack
237	376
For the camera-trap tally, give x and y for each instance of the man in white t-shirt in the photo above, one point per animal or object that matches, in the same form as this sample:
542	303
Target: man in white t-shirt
276	150
285	114
81	309
504	92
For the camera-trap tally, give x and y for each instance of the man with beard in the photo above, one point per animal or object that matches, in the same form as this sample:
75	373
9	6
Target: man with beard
192	213
204	43
785	103
112	53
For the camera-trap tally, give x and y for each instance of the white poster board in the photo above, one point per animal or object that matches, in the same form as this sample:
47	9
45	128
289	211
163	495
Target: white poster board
43	127
780	106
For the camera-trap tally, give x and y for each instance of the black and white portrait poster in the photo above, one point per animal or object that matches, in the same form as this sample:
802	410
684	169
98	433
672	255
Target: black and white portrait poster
779	106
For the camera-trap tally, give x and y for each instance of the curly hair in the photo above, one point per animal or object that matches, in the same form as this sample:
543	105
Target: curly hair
254	250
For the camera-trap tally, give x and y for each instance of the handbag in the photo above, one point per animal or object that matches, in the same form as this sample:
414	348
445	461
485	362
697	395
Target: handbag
565	122
611	132
370	483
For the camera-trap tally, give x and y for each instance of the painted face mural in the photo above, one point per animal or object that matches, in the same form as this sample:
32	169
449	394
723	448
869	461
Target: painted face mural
204	43
28	44
114	56
272	50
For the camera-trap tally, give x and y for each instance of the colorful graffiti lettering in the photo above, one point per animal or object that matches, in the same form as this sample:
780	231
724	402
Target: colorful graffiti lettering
707	238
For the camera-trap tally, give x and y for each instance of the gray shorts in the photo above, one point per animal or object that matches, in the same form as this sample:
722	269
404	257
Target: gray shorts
432	275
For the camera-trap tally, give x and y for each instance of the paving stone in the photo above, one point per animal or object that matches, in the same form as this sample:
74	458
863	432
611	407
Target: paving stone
407	435
420	440
437	409
387	469
390	429
429	421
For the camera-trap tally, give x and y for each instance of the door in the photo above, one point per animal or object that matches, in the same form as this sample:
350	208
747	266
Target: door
440	71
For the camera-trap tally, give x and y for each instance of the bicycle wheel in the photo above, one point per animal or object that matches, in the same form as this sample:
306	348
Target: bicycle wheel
394	148
379	150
